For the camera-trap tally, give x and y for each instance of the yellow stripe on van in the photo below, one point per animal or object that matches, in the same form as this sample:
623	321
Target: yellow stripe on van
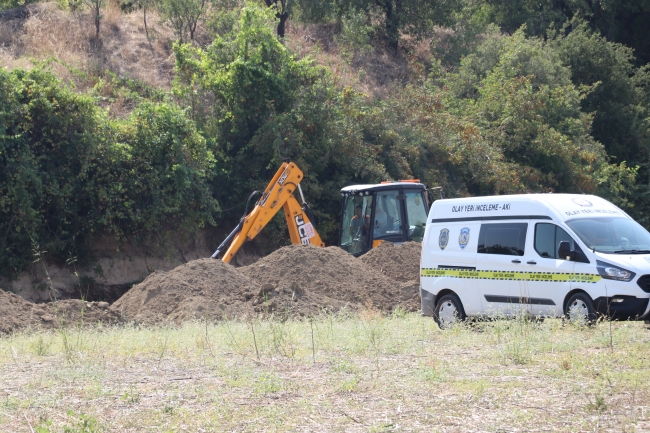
553	277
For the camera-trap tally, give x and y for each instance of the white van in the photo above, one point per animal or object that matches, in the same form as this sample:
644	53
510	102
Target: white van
546	254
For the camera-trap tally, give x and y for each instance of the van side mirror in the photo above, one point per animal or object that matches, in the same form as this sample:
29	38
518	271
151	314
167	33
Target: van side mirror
565	252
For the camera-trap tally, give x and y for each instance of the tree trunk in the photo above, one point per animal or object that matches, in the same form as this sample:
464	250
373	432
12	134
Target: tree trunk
144	10
392	24
283	20
97	23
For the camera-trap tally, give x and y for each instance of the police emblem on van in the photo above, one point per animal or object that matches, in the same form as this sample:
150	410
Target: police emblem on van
443	239
582	202
463	238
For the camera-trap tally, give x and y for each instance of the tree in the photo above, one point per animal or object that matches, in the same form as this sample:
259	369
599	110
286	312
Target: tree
183	15
259	104
619	101
281	13
68	171
622	21
413	17
526	105
95	7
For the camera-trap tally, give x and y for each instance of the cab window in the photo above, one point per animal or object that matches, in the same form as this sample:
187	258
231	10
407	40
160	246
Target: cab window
388	215
548	238
355	230
507	239
417	215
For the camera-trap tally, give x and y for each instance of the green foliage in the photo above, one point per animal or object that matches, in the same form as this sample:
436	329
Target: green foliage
66	170
509	121
623	21
109	88
12	4
48	145
617	97
264	106
412	17
183	16
618	100
157	172
356	31
83	424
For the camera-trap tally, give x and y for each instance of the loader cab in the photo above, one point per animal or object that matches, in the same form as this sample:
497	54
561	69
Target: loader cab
387	212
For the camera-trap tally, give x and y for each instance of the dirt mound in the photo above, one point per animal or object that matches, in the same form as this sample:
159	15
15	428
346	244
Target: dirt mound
17	313
296	280
198	289
326	278
397	262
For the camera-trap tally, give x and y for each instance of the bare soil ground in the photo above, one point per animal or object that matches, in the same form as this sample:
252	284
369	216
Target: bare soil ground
16	313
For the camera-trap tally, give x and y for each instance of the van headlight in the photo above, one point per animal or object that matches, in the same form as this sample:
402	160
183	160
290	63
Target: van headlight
612	272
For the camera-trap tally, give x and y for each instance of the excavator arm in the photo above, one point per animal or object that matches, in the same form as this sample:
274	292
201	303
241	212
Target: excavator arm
278	194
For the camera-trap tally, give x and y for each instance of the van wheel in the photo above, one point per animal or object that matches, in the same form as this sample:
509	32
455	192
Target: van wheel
580	309
449	310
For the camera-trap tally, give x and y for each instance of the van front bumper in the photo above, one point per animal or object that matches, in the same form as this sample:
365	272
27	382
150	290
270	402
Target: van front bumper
630	307
428	302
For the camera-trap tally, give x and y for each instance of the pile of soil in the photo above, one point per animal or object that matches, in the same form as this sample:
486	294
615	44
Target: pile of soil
397	262
17	313
326	278
297	280
203	288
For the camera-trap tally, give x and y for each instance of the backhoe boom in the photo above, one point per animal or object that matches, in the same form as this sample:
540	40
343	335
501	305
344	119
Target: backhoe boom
278	193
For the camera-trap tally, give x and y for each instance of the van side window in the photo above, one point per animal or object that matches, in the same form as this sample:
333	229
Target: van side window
548	238
508	239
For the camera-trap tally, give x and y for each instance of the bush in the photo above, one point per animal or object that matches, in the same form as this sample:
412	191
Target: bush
67	171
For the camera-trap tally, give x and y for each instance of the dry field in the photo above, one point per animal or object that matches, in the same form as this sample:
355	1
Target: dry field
362	372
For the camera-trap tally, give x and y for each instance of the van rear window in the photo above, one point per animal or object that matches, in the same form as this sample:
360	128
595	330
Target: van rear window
507	239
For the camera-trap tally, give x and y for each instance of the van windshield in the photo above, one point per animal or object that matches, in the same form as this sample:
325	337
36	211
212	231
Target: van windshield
612	235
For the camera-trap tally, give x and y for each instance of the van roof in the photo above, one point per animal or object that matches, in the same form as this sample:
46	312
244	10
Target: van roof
559	207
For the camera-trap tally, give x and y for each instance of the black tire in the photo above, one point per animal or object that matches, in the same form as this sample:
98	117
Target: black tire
580	309
449	310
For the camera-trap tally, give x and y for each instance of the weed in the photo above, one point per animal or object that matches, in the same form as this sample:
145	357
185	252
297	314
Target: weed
452	371
233	341
349	385
430	372
283	339
41	346
268	384
399	312
343	366
597	404
131	396
162	347
373	331
168	410
82	424
565	365
44	427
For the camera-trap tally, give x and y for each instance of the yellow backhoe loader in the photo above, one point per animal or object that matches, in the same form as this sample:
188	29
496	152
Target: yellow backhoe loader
371	214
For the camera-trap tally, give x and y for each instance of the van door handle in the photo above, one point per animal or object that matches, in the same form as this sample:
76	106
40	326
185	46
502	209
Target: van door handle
531	262
516	261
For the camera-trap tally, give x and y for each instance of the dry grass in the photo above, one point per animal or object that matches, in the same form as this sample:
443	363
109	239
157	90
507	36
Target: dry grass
373	73
123	47
371	373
